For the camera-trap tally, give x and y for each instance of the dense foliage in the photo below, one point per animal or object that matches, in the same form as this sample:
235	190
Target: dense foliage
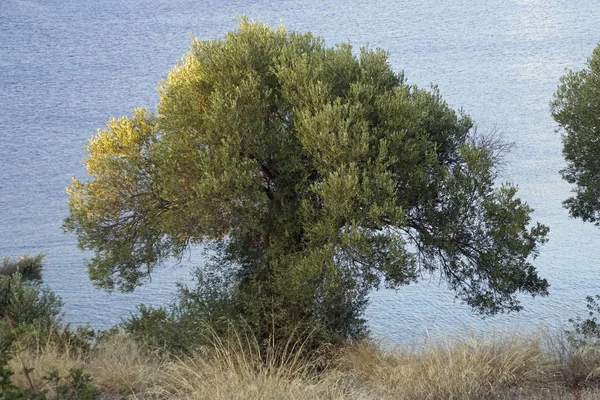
198	314
317	173
576	108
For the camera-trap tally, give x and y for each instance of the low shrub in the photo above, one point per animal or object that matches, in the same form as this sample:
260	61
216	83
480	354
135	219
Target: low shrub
23	298
198	312
212	306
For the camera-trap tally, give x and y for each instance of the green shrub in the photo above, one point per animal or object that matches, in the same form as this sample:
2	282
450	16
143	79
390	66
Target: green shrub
213	307
27	307
30	313
76	386
26	303
8	391
580	356
183	325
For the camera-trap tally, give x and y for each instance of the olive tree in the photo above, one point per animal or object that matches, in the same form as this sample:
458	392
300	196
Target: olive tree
576	108
317	172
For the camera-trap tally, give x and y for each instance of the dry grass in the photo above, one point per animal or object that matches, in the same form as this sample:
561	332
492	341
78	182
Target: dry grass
196	378
115	365
459	369
505	367
238	368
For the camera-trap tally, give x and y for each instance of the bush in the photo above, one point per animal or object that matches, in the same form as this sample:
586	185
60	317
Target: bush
75	386
7	389
214	307
26	306
23	299
30	268
30	313
199	311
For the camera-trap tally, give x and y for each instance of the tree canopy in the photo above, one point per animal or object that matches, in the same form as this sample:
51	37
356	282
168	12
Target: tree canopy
576	108
319	173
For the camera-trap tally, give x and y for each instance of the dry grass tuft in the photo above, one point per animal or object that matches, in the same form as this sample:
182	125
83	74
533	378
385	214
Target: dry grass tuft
239	368
572	367
120	363
459	369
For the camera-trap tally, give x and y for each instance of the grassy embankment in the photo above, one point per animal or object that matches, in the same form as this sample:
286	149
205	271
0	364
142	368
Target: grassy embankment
507	367
540	366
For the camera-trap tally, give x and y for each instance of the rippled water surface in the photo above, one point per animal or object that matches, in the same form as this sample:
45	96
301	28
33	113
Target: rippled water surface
67	66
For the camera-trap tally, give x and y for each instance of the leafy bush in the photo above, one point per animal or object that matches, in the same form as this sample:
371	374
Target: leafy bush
23	303
209	305
213	307
27	308
8	391
579	364
76	386
23	298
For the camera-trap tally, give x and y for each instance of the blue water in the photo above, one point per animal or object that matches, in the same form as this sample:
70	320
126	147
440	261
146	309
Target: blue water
67	66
